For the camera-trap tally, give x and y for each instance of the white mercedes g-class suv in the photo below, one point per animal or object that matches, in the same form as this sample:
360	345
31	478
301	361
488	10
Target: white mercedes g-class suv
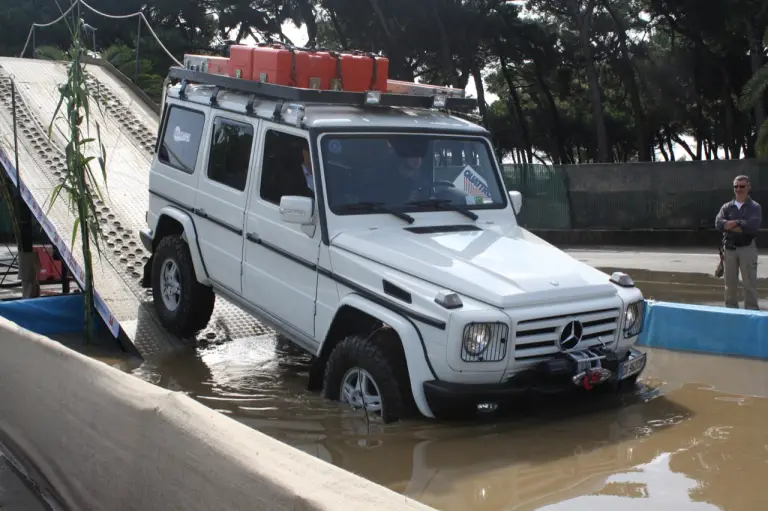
374	231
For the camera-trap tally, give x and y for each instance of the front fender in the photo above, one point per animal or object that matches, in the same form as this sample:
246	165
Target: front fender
415	358
189	234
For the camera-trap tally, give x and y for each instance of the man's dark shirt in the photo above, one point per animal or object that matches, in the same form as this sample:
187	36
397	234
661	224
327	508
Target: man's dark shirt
749	216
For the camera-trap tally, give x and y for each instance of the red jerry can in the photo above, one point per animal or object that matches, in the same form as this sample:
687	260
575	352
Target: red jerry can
362	72
322	70
281	65
241	62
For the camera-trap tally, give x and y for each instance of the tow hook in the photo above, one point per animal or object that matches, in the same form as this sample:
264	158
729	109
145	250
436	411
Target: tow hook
591	377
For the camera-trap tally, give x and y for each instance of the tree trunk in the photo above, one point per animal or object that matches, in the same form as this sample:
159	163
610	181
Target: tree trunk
308	15
756	59
556	126
481	104
685	145
699	101
339	31
396	61
524	132
445	48
584	24
628	77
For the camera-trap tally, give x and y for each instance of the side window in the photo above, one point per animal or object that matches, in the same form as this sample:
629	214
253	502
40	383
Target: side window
286	168
230	155
181	139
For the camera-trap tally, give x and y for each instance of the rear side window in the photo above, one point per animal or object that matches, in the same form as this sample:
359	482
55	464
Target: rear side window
230	156
181	139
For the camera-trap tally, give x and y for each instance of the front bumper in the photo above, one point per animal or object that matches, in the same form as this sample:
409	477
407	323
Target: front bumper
555	376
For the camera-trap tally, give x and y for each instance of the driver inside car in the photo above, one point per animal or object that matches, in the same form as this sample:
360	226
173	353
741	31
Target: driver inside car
411	181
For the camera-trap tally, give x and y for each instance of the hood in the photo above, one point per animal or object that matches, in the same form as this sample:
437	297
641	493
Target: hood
498	269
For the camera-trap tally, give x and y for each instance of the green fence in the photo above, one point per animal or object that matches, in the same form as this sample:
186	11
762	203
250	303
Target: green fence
646	195
546	204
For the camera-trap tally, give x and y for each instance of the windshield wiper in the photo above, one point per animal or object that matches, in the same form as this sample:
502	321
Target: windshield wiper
444	204
376	207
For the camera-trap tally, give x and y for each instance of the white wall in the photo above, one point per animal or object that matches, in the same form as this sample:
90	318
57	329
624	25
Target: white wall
105	440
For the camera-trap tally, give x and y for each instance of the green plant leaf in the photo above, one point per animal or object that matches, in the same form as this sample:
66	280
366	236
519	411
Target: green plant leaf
754	89
761	145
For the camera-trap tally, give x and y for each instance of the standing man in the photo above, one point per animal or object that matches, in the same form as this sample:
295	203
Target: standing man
739	220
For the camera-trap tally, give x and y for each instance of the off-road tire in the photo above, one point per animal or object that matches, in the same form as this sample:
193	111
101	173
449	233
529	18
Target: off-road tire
197	301
383	362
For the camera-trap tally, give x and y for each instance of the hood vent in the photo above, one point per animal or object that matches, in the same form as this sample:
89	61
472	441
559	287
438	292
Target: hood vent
434	229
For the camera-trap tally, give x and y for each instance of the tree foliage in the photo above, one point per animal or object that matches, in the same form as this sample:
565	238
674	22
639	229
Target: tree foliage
577	80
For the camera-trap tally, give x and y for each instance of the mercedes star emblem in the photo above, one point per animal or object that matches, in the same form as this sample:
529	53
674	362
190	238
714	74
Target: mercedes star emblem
570	335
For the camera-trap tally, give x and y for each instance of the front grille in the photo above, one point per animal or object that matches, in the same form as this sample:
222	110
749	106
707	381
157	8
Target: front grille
497	346
537	338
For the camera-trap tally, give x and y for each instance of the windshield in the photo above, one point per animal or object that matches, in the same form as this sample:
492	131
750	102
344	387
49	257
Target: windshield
409	173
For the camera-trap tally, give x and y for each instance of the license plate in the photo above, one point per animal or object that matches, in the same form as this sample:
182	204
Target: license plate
631	367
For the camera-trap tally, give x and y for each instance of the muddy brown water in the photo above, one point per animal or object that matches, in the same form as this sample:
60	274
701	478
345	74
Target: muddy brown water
692	436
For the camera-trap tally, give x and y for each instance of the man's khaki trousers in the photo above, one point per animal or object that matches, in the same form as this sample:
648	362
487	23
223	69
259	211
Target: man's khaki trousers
742	259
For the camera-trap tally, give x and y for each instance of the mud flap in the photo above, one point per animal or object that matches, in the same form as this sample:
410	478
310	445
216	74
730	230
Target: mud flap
146	279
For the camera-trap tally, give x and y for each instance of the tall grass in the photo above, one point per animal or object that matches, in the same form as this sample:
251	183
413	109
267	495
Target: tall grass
80	187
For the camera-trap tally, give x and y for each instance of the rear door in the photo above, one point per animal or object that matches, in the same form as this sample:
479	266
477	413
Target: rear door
221	196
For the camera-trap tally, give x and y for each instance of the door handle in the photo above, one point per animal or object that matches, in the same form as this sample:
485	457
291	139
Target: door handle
201	212
253	237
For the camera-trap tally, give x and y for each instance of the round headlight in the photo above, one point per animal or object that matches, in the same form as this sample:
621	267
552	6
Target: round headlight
633	319
630	316
476	339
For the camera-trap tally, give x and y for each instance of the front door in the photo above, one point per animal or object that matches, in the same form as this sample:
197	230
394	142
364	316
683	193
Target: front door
221	197
280	260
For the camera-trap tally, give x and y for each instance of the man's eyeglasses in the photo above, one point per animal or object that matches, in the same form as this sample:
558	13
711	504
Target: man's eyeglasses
739	187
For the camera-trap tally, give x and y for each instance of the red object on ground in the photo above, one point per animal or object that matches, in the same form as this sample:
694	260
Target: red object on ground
50	269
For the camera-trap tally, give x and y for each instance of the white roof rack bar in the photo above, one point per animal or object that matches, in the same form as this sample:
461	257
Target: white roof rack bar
294	94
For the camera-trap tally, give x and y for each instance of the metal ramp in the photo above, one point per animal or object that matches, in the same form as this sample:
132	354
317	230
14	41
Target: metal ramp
128	130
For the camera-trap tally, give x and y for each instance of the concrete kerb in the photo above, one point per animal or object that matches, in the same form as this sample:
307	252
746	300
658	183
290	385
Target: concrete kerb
103	439
705	329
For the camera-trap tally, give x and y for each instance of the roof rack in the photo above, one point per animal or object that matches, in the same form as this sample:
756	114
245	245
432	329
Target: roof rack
332	97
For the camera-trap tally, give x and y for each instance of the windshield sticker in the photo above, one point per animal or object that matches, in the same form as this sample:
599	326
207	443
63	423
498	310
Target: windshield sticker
181	136
474	185
334	146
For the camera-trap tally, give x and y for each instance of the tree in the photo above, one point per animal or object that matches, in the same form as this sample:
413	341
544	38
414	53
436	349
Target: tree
753	95
579	16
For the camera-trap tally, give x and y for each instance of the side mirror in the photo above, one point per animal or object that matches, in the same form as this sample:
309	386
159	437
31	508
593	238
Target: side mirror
517	201
297	210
